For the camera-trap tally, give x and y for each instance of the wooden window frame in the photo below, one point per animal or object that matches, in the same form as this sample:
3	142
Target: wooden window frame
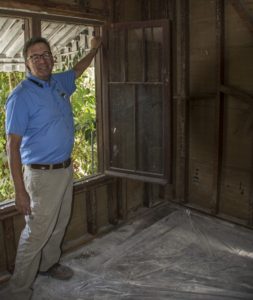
166	177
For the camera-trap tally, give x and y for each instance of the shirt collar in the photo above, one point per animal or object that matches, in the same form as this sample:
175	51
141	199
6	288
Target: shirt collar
39	82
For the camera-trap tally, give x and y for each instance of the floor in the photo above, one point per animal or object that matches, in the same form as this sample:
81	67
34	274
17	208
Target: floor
167	252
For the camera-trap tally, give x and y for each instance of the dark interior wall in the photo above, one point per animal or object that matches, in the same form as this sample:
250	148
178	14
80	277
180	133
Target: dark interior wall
212	67
203	84
220	121
212	71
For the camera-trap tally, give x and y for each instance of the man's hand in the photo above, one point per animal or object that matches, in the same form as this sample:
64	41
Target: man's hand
96	42
22	199
22	202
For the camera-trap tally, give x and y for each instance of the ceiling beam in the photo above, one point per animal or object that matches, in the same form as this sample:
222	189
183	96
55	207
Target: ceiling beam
48	7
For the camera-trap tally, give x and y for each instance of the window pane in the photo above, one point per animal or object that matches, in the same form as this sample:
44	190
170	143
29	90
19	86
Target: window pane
153	42
138	108
122	137
150	129
135	55
116	56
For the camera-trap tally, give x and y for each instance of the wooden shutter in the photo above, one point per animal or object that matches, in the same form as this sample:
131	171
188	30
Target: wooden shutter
137	100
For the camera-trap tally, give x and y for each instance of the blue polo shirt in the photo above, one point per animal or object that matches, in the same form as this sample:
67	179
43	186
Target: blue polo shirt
40	112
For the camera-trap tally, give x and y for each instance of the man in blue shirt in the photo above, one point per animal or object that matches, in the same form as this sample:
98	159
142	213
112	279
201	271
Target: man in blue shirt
40	137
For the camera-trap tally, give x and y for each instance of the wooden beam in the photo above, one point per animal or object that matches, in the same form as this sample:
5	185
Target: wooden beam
7	211
48	7
219	122
182	109
243	12
234	92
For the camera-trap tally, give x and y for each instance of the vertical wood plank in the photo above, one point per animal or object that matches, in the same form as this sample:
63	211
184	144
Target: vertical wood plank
99	105
122	188
36	26
182	135
146	195
116	11
218	150
9	242
91	207
112	203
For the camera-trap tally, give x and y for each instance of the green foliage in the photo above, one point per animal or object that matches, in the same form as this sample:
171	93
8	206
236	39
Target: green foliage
84	108
7	82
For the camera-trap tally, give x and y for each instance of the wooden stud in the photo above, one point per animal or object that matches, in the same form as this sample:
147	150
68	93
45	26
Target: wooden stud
218	145
112	203
91	207
182	136
122	196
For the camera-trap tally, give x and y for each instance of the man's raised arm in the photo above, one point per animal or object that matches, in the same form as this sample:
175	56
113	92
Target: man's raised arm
84	63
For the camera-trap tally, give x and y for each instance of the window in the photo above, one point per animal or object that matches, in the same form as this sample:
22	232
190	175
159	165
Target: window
69	41
11	73
137	98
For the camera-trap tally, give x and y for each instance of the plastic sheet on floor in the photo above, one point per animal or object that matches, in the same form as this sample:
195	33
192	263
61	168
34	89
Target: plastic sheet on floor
168	252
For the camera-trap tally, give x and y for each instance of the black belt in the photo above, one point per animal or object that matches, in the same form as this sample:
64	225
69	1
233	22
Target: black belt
64	164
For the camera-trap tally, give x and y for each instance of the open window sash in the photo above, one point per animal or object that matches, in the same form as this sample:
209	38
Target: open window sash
137	100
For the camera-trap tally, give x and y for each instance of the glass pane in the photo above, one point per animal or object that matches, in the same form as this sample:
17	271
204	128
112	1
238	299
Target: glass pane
122	137
153	43
116	56
135	55
150	129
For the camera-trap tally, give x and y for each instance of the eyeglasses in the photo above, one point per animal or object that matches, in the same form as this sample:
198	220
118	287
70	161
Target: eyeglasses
36	57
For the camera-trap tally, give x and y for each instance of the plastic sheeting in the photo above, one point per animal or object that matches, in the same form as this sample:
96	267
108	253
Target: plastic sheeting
167	252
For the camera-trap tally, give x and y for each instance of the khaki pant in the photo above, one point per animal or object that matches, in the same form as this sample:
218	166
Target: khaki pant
39	245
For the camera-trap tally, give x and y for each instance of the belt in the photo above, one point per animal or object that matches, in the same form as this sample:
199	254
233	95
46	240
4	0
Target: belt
64	164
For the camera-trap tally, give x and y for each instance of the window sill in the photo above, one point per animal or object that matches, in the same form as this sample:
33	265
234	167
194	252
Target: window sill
92	182
7	208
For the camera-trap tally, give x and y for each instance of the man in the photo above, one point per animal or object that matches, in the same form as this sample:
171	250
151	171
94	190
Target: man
40	137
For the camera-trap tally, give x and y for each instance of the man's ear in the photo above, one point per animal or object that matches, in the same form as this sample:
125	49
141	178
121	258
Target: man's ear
26	64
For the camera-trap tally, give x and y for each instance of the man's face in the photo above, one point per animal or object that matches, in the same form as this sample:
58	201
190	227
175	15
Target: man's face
40	61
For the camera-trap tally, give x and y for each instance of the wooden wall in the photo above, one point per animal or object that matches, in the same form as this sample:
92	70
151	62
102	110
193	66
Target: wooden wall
212	69
99	204
213	101
220	149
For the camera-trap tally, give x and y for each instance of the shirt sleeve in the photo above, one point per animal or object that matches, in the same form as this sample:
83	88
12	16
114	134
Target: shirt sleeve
17	115
67	80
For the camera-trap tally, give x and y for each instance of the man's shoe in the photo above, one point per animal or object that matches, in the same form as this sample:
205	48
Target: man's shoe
58	271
